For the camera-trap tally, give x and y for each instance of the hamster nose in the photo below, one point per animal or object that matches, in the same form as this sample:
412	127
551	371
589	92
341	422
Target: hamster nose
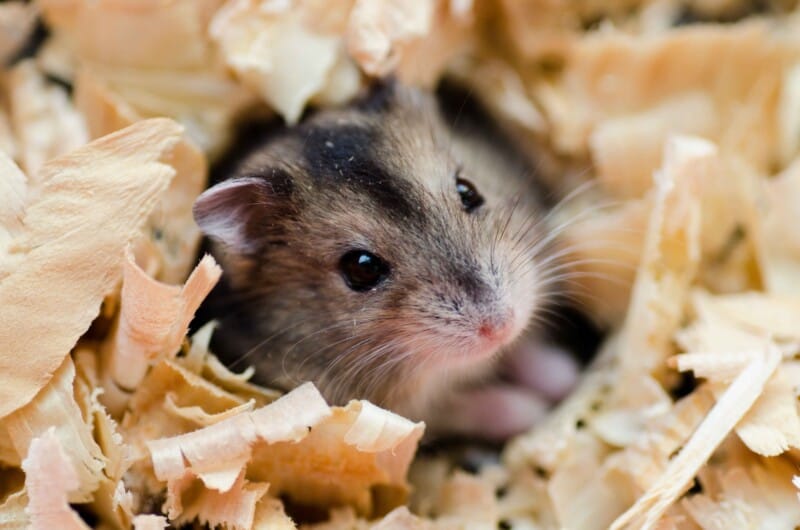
497	328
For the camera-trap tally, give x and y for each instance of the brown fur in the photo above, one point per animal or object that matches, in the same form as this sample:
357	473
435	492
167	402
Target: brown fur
379	175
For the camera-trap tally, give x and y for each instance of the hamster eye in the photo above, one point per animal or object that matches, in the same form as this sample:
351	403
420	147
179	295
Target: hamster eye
470	198
363	270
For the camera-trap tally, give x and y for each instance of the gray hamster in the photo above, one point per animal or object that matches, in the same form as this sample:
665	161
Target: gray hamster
395	250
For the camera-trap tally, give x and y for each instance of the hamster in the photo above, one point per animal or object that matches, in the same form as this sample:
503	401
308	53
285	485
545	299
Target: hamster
395	250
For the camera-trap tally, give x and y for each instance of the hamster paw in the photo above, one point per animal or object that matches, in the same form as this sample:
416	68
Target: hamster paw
493	413
546	370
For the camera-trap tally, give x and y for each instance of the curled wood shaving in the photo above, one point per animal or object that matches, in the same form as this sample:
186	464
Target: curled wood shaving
197	415
13	189
646	459
166	387
56	405
50	476
17	20
323	468
730	408
200	361
280	54
772	425
211	452
173	72
234	508
720	366
12	511
669	261
760	495
624	422
775	316
149	522
581	479
740	67
43	119
168	253
466	500
169	35
378	30
780	233
154	318
298	445
422	59
126	175
627	149
548	443
270	516
401	519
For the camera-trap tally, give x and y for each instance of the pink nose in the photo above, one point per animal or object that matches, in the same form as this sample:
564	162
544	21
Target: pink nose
497	328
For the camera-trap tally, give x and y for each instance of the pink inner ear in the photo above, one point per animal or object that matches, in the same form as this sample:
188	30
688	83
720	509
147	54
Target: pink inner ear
224	211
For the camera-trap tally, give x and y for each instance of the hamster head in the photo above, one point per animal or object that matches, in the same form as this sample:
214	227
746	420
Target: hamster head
376	250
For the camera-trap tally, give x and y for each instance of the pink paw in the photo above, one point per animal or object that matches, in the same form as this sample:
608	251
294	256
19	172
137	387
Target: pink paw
548	371
493	413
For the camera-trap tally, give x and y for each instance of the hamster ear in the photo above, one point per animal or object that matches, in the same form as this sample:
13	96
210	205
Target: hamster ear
236	212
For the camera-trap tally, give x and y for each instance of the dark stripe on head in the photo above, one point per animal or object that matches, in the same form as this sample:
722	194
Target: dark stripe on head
349	156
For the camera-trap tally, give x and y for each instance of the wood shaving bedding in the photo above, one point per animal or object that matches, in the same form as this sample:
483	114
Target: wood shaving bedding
688	132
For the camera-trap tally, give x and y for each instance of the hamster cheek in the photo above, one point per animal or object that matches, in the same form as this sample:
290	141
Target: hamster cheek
546	370
494	412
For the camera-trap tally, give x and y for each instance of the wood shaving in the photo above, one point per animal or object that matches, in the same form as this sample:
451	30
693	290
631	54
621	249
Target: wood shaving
13	187
149	522
17	21
125	170
378	30
279	55
669	260
74	436
759	496
175	71
45	466
145	335
169	252
232	508
44	121
730	408
676	134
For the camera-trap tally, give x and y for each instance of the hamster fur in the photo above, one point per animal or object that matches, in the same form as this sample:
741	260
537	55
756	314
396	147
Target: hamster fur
394	250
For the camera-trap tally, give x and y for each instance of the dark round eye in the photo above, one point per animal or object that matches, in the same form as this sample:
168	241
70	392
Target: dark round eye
363	270
470	197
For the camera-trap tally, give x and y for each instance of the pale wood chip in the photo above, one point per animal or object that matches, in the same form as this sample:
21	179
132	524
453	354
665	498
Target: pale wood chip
44	120
17	21
234	508
732	405
760	495
49	477
65	264
378	30
55	405
281	56
150	522
14	190
669	260
154	318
